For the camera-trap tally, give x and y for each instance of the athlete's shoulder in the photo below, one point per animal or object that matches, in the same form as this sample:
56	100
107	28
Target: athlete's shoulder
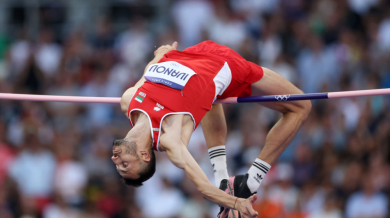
126	98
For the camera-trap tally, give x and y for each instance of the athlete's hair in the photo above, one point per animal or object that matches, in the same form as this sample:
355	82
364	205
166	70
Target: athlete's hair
146	170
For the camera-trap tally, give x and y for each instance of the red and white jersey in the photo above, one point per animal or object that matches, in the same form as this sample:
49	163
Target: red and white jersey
188	82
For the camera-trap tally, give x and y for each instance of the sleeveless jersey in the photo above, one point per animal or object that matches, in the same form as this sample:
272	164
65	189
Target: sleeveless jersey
188	82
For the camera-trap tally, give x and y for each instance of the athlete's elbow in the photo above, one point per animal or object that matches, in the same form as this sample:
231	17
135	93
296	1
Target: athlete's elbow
180	163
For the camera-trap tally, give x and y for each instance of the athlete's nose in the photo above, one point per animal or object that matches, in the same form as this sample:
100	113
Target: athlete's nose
114	158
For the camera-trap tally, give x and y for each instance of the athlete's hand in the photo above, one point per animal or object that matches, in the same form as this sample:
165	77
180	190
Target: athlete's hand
162	50
245	207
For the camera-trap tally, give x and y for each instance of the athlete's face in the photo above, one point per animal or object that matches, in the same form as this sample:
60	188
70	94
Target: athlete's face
127	161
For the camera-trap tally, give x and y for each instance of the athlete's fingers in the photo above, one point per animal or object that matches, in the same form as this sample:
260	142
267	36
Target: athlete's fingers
247	214
174	45
251	211
253	198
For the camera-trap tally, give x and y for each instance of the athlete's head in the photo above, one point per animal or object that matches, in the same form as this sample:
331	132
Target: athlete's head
133	163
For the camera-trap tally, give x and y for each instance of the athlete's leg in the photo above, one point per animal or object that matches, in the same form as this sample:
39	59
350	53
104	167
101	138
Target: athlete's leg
214	129
214	126
294	114
282	133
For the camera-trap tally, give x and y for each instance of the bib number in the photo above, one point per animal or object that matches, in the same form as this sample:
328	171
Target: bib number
169	73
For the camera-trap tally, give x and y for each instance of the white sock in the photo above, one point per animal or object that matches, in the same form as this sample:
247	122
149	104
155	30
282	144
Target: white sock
256	174
218	161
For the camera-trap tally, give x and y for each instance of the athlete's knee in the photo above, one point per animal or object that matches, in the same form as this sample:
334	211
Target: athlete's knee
219	128
304	109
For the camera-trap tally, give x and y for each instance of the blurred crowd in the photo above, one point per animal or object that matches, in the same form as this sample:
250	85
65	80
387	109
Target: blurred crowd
55	157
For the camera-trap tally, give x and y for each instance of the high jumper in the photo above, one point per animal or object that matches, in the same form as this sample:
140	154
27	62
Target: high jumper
176	93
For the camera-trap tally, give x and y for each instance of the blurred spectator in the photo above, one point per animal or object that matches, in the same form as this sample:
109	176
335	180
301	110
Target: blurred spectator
191	18
134	48
312	197
384	33
362	7
33	170
329	210
91	211
368	202
194	207
317	65
304	167
284	68
59	209
103	39
111	201
166	202
20	51
99	114
70	177
7	155
48	54
282	191
133	44
270	44
4	207
97	160
224	28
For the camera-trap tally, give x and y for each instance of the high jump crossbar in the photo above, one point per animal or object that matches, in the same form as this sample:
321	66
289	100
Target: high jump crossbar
231	100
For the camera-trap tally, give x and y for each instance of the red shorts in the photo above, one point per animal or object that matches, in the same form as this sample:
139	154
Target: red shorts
244	72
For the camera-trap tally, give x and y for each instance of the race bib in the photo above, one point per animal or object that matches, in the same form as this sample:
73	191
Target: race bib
169	73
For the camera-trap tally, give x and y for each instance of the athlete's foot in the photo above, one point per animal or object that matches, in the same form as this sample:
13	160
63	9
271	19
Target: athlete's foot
228	187
236	186
241	186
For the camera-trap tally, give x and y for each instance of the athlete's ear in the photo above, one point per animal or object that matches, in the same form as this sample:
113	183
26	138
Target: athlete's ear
145	156
174	45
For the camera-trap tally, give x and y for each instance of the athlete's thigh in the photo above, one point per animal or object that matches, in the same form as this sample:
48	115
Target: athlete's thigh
275	84
214	126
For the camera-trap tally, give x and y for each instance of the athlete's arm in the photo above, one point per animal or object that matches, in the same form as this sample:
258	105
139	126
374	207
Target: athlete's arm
158	54
179	155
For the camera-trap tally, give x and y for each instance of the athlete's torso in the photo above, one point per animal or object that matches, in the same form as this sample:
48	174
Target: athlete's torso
188	82
164	93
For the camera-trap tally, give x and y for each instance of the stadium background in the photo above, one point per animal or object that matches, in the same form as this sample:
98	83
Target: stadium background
55	157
